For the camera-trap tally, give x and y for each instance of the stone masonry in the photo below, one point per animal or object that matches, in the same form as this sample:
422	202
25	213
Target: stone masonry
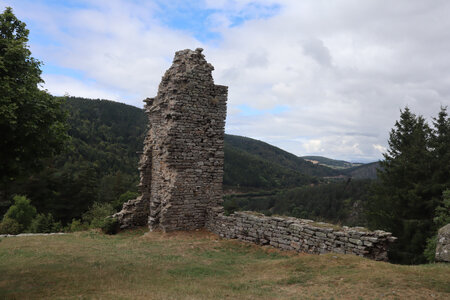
182	163
300	235
181	171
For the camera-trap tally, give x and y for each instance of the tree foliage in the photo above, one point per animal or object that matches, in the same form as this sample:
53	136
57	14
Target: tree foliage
276	156
339	202
31	121
99	164
21	211
245	170
44	223
412	179
10	226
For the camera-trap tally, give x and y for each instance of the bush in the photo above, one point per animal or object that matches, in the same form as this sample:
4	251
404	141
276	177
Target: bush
110	225
76	225
10	226
442	217
430	249
96	215
44	224
21	211
117	204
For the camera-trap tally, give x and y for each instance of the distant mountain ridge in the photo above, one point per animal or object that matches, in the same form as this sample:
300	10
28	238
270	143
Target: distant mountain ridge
365	171
305	165
278	156
331	163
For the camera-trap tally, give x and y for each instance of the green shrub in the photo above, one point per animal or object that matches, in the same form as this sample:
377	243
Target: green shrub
21	211
10	226
110	225
76	225
117	204
44	224
430	249
441	218
96	215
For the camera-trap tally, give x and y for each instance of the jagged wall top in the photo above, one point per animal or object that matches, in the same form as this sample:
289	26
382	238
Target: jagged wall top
183	73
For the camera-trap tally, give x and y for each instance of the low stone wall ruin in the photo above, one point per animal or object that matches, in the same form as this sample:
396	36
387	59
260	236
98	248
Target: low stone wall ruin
299	235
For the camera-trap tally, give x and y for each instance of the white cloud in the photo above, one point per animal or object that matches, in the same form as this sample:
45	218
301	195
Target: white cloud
380	148
344	68
313	146
60	85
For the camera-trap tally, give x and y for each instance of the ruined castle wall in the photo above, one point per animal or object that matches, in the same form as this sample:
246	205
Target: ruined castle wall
182	164
181	171
299	235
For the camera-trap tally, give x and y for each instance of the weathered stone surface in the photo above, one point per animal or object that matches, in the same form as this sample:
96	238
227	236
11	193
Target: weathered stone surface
443	244
134	213
181	166
299	235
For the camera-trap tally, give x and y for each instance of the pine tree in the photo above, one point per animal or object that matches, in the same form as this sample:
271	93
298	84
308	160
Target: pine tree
440	188
440	150
403	199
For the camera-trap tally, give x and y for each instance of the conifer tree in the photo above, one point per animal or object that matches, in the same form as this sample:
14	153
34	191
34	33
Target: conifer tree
403	200
440	188
440	150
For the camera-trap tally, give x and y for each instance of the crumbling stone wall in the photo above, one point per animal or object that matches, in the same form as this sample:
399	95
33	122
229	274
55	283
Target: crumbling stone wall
182	163
181	171
300	235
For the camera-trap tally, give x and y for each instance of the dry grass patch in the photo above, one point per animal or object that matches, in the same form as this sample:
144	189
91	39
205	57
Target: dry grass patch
198	265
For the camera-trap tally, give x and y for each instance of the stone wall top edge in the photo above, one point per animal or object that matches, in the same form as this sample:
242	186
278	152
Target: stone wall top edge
220	86
312	224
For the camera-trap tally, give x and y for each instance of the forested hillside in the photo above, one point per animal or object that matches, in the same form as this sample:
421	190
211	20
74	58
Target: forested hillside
366	171
243	170
339	202
99	163
278	156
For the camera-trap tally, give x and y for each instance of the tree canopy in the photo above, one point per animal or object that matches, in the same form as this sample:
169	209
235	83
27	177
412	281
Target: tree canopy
32	124
412	176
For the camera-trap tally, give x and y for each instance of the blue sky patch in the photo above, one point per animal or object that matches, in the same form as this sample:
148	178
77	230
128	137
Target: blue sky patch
193	17
247	111
54	69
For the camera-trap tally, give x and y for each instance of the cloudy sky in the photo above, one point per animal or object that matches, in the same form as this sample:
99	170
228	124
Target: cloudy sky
312	77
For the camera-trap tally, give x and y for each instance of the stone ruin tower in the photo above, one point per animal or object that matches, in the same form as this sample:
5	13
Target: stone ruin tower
181	167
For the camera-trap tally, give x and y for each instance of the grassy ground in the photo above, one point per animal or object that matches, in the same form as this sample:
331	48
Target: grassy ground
198	265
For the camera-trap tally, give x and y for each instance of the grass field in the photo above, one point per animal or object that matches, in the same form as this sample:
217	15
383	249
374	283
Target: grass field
197	265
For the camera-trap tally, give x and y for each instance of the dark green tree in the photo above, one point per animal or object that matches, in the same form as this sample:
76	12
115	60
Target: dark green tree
22	211
440	151
441	218
440	188
32	124
403	200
